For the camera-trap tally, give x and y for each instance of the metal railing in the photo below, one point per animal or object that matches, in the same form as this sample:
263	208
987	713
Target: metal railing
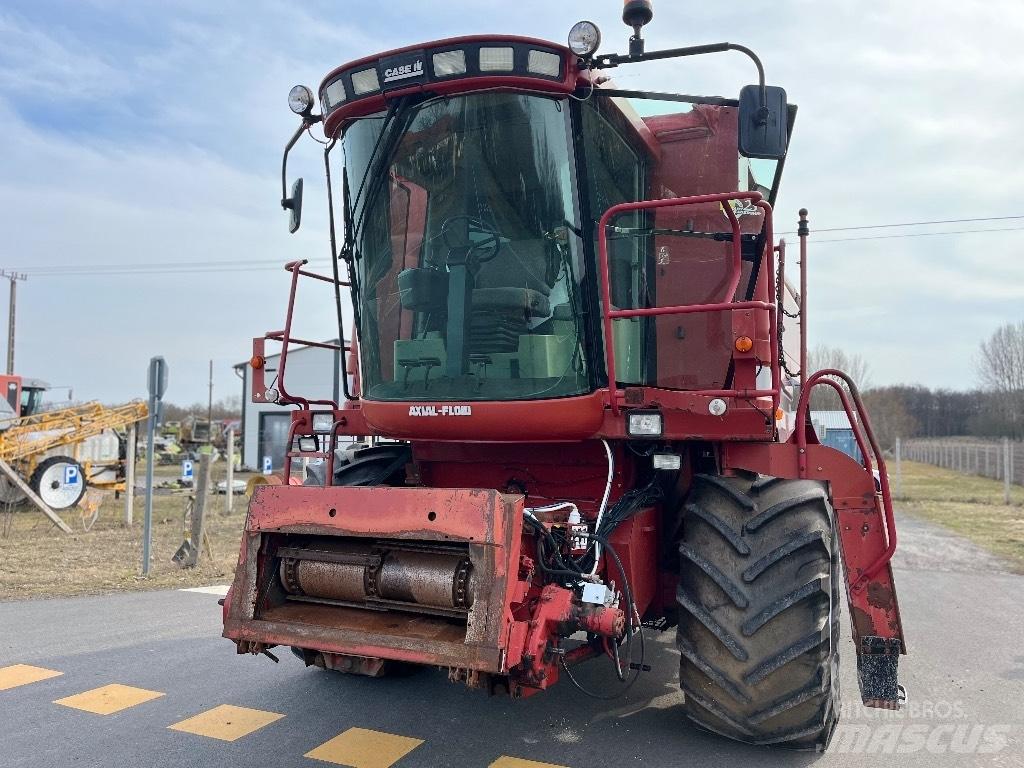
285	337
616	395
865	436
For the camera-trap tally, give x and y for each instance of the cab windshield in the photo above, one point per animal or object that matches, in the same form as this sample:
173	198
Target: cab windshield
468	270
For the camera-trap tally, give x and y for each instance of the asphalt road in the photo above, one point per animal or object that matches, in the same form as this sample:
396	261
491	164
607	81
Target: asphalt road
964	622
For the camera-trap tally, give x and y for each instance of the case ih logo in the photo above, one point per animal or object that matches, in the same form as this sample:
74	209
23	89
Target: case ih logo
403	71
440	410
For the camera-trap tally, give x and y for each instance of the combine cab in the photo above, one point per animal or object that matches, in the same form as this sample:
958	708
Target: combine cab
583	423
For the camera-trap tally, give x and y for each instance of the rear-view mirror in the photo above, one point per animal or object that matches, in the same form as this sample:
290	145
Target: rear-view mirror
763	122
294	206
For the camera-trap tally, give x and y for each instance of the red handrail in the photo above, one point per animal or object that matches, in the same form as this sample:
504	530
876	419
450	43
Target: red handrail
286	338
609	314
861	430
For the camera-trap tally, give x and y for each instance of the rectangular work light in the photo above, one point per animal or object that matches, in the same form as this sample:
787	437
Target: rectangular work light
365	82
309	444
334	94
449	63
497	59
323	423
544	63
645	424
666	461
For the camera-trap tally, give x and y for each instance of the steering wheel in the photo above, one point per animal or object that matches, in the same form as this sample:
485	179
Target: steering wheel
468	251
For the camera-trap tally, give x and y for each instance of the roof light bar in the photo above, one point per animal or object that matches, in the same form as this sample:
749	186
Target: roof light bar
445	62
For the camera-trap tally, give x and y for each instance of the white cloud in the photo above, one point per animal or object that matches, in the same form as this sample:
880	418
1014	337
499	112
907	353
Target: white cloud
168	149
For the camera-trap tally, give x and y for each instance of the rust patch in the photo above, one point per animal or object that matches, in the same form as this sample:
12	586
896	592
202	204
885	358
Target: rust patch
863	625
880	596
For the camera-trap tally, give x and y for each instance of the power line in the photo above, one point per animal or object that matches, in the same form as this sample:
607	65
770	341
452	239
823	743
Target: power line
221	266
162	265
914	224
917	234
188	268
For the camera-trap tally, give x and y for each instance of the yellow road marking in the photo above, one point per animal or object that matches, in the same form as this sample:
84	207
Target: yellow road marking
514	762
109	699
226	722
23	674
362	748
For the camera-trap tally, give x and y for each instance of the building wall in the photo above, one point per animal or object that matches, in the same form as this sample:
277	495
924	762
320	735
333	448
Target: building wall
312	372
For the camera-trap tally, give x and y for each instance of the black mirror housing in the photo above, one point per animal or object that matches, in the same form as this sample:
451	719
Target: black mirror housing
294	206
763	122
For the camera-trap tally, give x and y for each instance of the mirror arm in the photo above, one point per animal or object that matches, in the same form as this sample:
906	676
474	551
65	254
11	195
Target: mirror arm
611	60
307	121
285	200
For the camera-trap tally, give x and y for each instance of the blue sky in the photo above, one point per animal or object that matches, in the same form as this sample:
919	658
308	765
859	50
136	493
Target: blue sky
152	132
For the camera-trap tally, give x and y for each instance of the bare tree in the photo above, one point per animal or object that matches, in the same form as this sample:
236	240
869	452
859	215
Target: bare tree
1000	367
889	416
823	397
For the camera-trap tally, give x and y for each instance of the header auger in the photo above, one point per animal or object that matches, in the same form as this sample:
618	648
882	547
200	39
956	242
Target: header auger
570	366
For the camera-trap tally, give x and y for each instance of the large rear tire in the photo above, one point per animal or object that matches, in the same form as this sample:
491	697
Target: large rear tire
759	611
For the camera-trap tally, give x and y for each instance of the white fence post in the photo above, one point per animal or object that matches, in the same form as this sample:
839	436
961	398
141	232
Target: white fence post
899	468
1006	470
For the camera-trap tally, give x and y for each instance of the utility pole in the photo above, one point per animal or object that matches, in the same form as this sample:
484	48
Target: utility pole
209	408
14	277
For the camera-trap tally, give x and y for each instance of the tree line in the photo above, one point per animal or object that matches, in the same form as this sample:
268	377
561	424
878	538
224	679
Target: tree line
995	408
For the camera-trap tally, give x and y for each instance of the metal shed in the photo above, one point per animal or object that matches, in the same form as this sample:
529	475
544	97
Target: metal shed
834	430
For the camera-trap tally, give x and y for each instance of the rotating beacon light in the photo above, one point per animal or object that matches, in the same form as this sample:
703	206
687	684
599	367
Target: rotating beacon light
636	14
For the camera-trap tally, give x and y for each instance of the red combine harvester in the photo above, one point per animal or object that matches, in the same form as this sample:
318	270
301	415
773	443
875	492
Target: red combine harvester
568	361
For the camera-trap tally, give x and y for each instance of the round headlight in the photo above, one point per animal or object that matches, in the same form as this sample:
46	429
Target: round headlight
300	100
584	38
717	407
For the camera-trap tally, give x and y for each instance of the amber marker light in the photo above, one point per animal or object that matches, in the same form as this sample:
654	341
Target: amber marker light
256	361
744	344
779	415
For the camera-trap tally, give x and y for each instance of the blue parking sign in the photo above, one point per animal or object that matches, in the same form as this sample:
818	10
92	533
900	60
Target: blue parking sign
186	470
71	475
268	465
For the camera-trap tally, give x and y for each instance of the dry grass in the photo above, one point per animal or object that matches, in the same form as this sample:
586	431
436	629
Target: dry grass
37	560
968	505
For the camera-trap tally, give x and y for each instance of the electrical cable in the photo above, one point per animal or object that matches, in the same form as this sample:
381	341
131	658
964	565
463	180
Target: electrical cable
604	503
636	628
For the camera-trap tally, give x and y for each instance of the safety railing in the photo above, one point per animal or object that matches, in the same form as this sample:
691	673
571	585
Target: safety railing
287	340
615	395
865	436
